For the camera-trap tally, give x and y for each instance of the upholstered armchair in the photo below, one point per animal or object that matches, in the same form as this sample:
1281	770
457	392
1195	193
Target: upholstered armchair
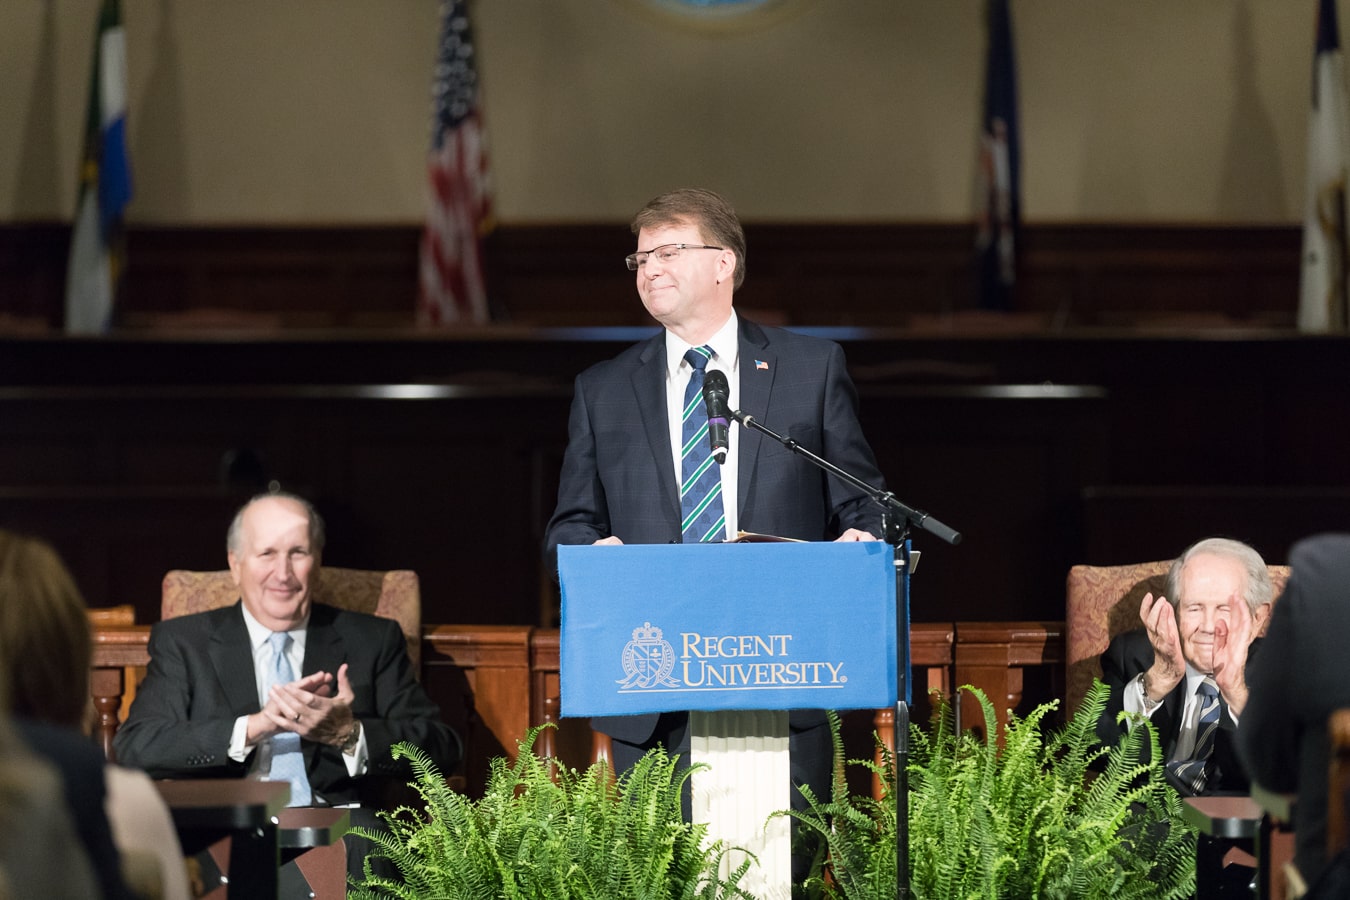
1102	602
395	594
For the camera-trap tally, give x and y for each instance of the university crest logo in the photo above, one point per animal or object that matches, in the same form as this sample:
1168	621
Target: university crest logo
648	660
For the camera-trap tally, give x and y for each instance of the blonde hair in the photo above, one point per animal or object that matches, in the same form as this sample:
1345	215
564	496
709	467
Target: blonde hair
45	643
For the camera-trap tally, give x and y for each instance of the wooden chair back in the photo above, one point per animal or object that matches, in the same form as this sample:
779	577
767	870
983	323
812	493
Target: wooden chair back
124	614
395	594
1102	602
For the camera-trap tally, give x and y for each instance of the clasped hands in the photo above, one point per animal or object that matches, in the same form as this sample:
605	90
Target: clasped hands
308	706
1232	638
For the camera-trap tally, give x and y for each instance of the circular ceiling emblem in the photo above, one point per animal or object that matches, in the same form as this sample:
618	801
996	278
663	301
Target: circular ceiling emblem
724	13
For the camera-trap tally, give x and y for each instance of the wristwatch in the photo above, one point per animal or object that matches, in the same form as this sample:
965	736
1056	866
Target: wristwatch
1149	703
353	738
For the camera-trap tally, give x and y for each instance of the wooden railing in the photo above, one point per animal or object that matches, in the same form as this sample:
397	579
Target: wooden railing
494	682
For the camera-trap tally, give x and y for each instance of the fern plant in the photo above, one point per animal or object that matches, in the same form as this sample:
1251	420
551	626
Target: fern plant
1045	817
544	832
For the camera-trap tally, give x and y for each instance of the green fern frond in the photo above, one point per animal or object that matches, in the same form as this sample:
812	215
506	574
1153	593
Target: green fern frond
541	830
1051	815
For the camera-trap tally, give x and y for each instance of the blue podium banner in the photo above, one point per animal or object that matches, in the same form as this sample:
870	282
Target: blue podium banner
667	627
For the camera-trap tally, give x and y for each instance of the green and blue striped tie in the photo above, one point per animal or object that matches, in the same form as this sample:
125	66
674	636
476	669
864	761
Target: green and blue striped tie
701	476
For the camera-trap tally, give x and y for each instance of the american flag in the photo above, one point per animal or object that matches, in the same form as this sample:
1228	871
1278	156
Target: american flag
452	281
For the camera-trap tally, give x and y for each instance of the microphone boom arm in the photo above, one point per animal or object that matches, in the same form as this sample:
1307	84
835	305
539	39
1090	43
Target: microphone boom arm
908	516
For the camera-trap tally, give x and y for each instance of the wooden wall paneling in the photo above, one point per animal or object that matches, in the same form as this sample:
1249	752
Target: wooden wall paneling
571	741
305	276
118	543
119	657
114	447
874	274
994	656
1126	274
450	486
1137	523
480	676
494	682
1004	470
33	274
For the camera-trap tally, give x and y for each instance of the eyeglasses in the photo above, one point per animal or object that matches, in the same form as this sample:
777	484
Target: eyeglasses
665	253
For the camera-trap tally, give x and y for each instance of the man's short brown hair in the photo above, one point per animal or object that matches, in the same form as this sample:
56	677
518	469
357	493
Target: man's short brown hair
706	210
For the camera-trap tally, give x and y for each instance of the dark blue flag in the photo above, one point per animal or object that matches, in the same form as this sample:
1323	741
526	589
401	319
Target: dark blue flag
1000	167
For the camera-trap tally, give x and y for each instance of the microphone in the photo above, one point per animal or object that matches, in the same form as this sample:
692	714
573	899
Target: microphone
716	392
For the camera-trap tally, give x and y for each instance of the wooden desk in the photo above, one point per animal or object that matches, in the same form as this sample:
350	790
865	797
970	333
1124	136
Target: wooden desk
1280	806
1225	817
1247	817
1275	847
264	833
311	841
301	828
246	811
1229	818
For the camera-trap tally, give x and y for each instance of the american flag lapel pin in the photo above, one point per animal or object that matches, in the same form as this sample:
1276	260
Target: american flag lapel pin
761	364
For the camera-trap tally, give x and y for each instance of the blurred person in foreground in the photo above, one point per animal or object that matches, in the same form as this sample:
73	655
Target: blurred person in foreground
45	646
41	854
1295	684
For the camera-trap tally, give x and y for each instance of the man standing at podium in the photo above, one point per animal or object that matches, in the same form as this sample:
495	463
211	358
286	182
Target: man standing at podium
637	467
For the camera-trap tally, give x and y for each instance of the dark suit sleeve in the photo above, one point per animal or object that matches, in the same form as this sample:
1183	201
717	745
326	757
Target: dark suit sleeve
581	516
1121	662
393	707
180	722
1128	655
847	448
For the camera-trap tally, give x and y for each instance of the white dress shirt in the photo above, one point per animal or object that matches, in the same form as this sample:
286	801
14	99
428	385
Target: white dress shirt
726	358
262	661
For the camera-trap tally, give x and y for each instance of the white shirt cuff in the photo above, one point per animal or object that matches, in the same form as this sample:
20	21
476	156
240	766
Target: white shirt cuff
356	763
238	748
1136	701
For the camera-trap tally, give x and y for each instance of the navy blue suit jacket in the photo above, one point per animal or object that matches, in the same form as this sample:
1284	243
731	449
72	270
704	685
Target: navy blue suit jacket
201	679
618	475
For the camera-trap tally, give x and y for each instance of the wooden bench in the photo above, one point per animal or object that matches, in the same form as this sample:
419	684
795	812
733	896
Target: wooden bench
495	682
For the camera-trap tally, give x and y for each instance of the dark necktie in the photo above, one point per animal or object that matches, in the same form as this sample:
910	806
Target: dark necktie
1191	771
288	763
700	475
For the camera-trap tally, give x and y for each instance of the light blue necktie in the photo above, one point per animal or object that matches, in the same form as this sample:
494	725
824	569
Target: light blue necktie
1191	772
701	476
288	763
